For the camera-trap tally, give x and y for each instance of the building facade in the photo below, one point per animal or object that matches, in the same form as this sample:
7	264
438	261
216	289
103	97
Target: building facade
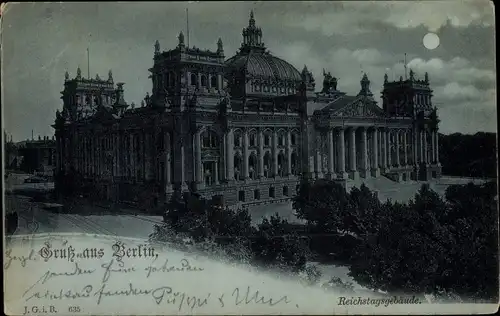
38	156
248	128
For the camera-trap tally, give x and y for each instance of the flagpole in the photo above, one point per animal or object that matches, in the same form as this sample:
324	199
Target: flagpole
406	76
88	62
187	22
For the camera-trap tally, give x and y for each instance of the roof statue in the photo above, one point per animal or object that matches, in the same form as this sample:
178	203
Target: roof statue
329	82
220	47
412	75
181	39
426	77
365	86
66	76
97	77
78	73
157	47
110	76
386	78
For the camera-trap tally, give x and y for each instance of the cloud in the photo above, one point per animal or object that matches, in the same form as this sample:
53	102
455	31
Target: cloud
354	17
433	15
346	38
456	69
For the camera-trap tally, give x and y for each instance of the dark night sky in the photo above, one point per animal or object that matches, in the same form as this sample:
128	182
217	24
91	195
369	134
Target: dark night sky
41	41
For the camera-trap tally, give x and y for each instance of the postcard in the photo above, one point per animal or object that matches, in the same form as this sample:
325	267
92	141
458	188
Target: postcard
249	158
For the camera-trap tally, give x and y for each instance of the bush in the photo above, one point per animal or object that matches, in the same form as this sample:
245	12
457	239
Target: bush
310	274
435	246
429	245
338	286
227	233
278	245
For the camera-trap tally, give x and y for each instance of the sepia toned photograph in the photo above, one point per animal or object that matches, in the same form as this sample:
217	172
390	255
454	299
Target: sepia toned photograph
249	158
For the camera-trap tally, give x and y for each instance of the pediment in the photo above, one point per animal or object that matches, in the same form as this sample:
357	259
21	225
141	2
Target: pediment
103	114
360	107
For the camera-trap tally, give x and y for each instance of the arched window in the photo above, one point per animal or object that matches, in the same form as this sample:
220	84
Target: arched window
171	81
237	167
194	80
210	139
267	164
237	139
166	80
203	81
267	139
252	166
213	82
252	139
281	164
295	163
281	140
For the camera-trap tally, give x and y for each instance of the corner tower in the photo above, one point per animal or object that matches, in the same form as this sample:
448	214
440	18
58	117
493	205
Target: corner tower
407	97
187	77
82	97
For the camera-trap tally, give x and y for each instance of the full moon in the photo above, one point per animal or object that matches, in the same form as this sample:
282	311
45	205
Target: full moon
431	41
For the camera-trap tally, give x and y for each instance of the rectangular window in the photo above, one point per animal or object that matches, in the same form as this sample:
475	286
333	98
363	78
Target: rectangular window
256	194
285	191
271	192
241	196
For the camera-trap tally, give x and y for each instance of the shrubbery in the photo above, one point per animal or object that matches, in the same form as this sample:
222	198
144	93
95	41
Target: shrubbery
429	245
211	228
447	247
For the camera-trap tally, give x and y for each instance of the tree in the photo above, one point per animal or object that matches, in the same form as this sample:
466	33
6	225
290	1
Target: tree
277	244
434	246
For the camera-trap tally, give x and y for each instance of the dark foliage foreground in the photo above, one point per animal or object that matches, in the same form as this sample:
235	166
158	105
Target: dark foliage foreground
446	247
274	243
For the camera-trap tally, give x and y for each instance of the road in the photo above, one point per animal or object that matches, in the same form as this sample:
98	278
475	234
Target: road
33	218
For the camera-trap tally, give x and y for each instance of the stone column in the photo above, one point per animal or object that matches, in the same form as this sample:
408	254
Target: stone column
329	138
261	154
288	153
385	151
147	156
421	147
375	167
415	147
245	155
433	147
436	143
168	157
197	162
216	175
275	154
219	82
342	174
397	148
132	156
352	154
180	157
426	149
389	150
229	155
405	146
318	165
364	153
199	81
